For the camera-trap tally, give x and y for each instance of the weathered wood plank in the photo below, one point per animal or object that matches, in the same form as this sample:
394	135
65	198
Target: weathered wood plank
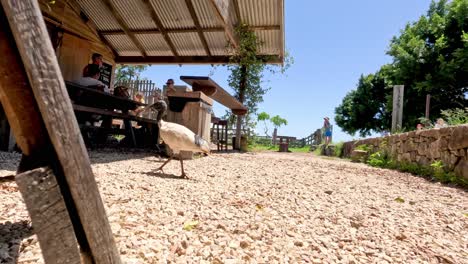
16	97
40	64
50	219
116	115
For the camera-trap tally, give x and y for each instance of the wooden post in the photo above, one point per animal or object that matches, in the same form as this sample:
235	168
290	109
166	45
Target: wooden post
397	112
428	106
56	113
50	219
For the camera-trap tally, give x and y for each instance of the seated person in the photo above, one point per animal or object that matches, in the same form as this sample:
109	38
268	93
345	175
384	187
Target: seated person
122	91
97	60
92	80
139	98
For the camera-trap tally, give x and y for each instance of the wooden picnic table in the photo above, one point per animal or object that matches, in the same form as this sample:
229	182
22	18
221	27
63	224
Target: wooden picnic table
93	101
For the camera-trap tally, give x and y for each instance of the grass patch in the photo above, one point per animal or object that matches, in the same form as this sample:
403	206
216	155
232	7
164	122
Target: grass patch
436	171
260	148
304	149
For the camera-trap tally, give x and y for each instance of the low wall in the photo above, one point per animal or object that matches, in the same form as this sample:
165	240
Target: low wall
449	145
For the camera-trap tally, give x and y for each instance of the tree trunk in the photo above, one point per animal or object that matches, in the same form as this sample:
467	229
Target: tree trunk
242	84
275	133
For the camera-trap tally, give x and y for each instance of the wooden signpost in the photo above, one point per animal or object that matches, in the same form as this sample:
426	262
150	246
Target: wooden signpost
397	112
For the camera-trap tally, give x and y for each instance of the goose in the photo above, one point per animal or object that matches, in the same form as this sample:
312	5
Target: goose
177	137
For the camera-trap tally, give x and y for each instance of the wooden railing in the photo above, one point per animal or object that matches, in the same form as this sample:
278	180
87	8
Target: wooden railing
144	87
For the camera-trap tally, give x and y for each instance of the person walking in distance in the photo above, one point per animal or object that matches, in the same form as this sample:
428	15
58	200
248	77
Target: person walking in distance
327	129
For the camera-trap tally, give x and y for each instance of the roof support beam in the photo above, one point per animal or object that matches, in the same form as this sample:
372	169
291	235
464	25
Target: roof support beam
222	12
197	25
281	27
183	30
90	24
160	26
236	8
187	60
124	26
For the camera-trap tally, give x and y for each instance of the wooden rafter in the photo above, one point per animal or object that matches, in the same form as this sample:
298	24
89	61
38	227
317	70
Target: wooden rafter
124	26
221	8
183	30
160	26
237	9
90	24
281	27
186	60
197	25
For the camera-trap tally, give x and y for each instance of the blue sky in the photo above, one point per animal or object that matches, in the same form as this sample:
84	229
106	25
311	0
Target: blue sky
333	43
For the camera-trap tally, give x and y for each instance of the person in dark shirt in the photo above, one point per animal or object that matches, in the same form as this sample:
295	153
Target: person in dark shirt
97	60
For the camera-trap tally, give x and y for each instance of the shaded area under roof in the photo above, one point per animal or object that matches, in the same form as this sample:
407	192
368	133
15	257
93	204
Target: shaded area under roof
213	90
184	31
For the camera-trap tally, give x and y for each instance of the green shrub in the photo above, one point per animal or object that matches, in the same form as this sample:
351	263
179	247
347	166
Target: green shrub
436	171
455	116
378	159
364	147
339	148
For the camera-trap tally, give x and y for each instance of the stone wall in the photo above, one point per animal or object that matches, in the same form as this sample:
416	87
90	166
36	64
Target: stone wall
449	145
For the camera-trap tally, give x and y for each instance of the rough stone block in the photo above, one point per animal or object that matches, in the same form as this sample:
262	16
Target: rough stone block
406	157
446	131
459	137
422	149
462	169
411	134
448	159
404	136
462	153
431	133
434	150
422	160
358	155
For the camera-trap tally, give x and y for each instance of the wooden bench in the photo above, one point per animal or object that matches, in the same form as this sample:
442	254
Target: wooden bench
108	107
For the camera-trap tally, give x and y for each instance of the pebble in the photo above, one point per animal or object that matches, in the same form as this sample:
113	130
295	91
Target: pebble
276	212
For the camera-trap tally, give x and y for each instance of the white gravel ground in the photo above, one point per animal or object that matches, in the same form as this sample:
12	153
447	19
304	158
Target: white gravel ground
260	208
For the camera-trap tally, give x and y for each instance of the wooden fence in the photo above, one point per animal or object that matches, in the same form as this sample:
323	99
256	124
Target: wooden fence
144	87
299	143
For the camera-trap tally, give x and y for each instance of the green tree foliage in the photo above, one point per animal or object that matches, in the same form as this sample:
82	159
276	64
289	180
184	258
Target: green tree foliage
247	72
264	117
430	56
366	108
125	73
278	121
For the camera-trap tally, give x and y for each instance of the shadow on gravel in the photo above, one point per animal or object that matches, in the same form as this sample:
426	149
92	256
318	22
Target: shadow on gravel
11	235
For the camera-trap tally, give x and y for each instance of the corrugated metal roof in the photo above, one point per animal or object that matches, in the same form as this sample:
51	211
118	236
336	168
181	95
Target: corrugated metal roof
135	13
99	14
260	12
173	13
269	41
206	14
217	42
123	45
188	44
154	44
